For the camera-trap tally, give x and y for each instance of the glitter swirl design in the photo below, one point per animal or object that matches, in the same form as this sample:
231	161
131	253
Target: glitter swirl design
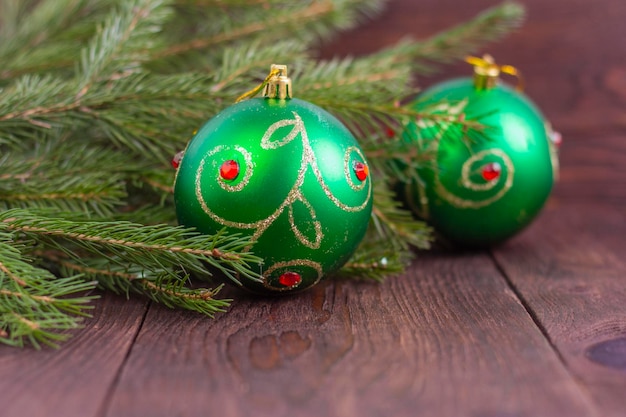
470	167
308	160
348	162
316	224
416	193
486	192
249	169
296	262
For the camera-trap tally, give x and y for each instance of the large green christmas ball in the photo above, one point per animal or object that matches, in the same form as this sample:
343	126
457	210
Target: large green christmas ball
484	188
286	173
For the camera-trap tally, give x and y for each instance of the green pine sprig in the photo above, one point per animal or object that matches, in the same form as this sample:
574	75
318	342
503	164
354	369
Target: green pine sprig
36	306
157	248
170	290
96	96
468	37
66	176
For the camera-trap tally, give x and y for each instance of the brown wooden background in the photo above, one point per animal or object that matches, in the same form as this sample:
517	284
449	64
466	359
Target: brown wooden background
536	327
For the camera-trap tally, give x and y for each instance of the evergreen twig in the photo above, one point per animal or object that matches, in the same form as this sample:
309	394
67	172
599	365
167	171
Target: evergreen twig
162	288
468	37
34	304
96	96
158	248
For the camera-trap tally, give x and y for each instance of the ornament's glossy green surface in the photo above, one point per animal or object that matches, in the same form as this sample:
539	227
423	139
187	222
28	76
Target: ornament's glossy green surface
296	192
483	192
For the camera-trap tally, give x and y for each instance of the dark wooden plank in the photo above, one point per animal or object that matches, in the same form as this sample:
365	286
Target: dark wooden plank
593	169
75	380
570	268
447	339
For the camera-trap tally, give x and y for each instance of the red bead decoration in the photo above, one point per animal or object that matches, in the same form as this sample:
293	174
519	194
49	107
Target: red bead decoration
290	279
361	170
491	171
177	158
229	170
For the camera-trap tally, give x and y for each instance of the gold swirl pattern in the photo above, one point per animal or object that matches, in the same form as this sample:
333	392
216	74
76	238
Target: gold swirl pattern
348	167
467	182
247	156
316	224
266	143
295	194
296	262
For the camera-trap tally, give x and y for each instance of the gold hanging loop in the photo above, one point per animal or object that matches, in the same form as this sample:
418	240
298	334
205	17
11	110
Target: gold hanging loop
487	72
275	85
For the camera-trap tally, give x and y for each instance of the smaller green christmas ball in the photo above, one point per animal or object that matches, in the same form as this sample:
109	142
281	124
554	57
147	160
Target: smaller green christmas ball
484	188
287	174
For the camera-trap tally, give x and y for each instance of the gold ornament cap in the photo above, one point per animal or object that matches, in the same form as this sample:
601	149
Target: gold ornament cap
487	72
278	83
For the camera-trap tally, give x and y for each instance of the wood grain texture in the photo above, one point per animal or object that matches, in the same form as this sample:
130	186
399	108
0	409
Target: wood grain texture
570	269
447	339
74	381
593	169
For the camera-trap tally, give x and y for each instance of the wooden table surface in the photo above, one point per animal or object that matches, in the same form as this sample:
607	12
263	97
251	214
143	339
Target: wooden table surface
535	327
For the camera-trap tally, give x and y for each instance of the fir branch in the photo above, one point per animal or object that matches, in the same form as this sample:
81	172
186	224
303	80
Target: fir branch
34	305
11	15
130	112
162	183
466	38
240	65
60	174
59	40
380	77
22	26
365	92
206	4
375	260
311	12
199	300
148	214
367	120
89	138
161	288
395	224
98	200
125	41
157	248
309	20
